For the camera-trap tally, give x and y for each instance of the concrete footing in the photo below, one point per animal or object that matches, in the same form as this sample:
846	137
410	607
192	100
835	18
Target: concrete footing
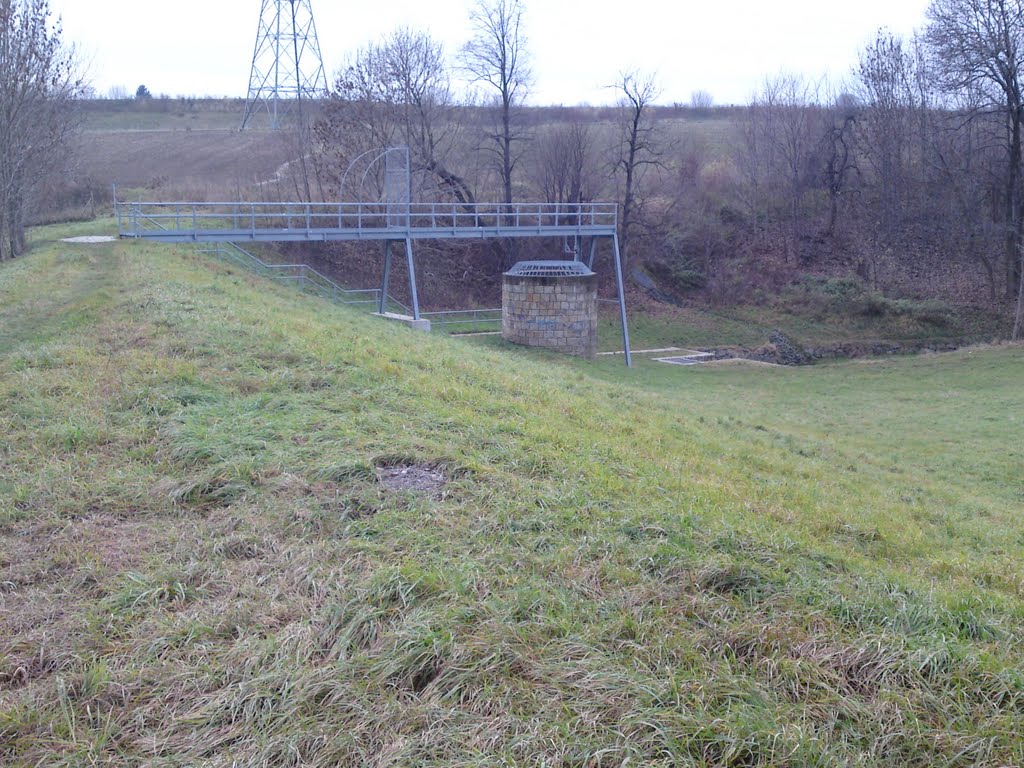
419	325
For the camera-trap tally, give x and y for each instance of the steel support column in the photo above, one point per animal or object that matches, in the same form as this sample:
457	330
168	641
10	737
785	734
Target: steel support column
387	278
412	279
622	301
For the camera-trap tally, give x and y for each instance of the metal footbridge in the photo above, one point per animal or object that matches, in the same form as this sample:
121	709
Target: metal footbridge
585	225
275	222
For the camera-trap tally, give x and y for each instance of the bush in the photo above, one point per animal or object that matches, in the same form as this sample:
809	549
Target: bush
676	276
848	297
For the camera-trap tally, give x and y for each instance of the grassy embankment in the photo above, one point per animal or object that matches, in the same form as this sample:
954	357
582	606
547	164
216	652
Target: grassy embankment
716	566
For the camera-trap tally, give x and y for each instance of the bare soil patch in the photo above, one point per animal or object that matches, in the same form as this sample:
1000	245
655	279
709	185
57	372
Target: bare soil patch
414	478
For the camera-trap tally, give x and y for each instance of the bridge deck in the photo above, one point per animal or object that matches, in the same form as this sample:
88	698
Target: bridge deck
270	222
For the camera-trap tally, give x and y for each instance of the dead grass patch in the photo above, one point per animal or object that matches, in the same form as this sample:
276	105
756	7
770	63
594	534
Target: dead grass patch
415	479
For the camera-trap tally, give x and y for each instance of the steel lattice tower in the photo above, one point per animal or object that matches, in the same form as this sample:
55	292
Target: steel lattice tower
286	65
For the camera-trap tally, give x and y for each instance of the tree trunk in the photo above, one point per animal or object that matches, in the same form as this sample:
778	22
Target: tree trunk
627	199
18	240
3	233
1019	319
1015	206
990	274
511	246
506	151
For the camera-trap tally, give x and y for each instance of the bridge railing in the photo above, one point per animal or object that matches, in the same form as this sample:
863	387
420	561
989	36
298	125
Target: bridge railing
154	219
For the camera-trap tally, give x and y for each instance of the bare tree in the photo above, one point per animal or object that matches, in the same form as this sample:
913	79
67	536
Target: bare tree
978	45
638	148
781	160
563	166
359	117
39	83
702	100
496	58
889	123
838	156
395	91
968	165
426	108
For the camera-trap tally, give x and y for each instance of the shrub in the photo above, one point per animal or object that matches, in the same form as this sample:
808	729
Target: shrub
848	297
676	276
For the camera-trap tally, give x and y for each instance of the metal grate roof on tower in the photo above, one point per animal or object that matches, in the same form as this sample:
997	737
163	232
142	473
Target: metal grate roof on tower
549	269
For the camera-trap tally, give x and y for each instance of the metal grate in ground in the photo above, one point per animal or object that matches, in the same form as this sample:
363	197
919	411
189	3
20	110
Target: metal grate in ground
691	359
640	351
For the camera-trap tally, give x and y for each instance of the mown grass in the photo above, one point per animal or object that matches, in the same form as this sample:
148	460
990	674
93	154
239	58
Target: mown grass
750	326
718	567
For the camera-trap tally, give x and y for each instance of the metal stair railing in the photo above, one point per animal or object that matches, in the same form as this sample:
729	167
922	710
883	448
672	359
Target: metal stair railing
464	319
307	278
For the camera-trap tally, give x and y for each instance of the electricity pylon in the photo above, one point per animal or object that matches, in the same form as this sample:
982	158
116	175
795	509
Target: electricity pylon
286	65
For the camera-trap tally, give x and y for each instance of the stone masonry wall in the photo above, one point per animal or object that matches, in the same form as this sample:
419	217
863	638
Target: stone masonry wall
559	313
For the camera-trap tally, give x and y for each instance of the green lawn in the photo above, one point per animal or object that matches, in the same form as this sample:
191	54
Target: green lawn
201	563
751	326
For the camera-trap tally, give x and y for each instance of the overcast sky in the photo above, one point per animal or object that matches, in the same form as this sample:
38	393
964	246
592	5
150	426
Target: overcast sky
726	47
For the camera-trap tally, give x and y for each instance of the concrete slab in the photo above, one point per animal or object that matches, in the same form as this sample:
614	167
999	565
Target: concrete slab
641	351
420	325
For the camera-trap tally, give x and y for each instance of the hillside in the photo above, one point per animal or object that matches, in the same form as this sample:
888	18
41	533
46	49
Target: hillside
240	526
